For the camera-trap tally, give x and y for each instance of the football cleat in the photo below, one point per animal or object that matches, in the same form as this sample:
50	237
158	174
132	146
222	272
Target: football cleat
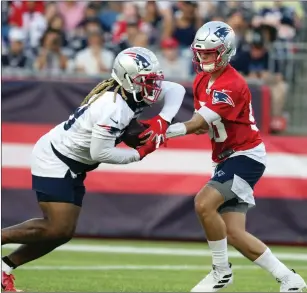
292	283
215	280
7	283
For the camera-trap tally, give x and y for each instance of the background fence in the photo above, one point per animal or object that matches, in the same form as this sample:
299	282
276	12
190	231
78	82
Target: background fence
152	198
291	60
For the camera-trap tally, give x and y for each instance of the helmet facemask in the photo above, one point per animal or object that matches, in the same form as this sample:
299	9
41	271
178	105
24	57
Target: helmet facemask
211	65
138	71
148	85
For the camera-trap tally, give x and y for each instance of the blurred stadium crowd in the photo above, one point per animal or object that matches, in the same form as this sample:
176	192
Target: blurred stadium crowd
84	37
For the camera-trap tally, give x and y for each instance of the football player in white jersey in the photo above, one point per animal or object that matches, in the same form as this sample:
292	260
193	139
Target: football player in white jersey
61	158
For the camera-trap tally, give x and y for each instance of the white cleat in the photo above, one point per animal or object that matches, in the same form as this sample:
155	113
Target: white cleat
292	283
215	280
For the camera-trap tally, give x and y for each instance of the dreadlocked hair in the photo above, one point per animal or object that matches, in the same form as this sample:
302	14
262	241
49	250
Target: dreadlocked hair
101	88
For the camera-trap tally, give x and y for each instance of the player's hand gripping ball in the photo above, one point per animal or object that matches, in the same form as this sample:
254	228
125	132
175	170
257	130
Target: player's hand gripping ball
131	134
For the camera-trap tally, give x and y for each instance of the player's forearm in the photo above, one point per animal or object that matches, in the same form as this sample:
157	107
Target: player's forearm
175	130
106	152
117	156
195	124
172	100
198	124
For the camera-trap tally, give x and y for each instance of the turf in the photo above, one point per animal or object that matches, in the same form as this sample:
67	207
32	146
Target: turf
75	271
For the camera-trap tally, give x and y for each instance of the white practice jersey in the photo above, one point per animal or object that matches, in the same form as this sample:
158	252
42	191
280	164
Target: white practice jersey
105	119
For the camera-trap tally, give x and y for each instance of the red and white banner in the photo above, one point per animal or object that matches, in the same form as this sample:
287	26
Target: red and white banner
180	169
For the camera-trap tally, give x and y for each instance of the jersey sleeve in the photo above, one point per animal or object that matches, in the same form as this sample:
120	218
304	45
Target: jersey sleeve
172	95
106	116
103	151
226	103
109	118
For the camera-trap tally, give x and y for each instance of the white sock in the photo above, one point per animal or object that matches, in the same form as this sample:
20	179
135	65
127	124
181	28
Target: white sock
219	253
5	268
271	263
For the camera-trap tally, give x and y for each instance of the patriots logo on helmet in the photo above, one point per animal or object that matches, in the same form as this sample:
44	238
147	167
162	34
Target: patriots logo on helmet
139	59
221	97
222	33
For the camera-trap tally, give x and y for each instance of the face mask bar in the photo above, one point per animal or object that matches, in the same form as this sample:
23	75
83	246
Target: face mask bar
132	89
150	86
212	65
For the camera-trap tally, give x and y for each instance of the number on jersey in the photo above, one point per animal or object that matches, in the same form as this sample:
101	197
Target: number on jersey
217	129
72	118
251	117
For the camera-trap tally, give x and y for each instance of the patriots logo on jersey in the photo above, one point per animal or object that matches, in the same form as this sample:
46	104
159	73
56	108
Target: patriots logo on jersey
110	129
222	97
139	59
222	33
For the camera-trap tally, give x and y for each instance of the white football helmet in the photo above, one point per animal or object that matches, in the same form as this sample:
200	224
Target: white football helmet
214	37
138	70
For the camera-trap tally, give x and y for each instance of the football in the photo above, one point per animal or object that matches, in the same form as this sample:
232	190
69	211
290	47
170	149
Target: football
131	133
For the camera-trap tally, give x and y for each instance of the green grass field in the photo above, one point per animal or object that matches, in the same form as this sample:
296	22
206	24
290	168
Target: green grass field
132	266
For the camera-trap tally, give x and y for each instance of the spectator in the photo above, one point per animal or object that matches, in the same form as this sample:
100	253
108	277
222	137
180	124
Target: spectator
166	13
95	59
79	41
280	16
227	8
208	10
15	57
92	24
174	67
253	61
133	37
91	11
269	33
130	14
51	10
154	19
21	11
4	46
4	20
57	23
240	26
72	12
254	64
186	23
29	16
51	57
109	14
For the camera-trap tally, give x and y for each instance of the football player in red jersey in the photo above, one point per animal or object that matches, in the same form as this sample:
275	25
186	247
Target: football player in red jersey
223	109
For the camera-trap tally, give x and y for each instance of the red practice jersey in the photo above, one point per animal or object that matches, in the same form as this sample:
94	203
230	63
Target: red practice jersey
230	98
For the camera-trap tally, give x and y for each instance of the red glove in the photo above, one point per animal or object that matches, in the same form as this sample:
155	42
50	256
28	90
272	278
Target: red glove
146	149
157	128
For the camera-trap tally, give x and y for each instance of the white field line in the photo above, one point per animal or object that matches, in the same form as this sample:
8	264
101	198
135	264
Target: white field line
160	251
138	267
